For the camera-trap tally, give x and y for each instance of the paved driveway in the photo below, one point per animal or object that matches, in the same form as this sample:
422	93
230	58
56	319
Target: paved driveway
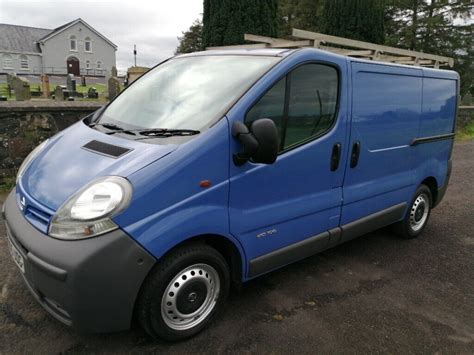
374	294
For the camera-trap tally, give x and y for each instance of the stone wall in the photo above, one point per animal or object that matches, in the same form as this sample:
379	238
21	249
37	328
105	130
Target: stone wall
23	125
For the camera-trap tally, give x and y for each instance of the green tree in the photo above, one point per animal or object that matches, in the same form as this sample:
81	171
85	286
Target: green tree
356	19
441	27
302	14
226	21
191	40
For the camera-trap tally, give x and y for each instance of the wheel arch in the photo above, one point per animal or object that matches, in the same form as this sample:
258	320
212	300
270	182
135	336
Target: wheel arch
432	184
229	248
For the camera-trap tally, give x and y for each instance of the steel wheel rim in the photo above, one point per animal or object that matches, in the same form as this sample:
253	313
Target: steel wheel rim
419	212
177	291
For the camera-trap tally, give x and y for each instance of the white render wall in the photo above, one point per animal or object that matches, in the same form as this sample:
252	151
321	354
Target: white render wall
34	63
56	50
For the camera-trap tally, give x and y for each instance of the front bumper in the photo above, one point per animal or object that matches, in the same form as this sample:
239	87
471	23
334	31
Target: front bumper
90	284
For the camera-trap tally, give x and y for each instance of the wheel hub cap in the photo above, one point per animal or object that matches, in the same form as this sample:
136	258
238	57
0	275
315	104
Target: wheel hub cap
419	212
190	297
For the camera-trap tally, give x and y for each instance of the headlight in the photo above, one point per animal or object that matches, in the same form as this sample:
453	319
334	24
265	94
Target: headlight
28	160
88	212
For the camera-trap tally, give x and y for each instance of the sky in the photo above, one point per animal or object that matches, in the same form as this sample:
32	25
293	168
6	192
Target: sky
152	25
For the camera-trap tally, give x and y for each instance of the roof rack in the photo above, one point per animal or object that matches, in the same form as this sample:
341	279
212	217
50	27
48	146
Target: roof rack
348	47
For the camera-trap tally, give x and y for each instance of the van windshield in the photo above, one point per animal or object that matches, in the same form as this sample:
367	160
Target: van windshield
185	93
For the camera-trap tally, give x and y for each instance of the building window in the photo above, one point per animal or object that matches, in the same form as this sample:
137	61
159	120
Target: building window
24	64
88	45
73	43
99	64
88	64
7	61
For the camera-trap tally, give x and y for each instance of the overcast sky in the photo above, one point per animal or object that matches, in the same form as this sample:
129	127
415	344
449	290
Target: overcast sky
152	25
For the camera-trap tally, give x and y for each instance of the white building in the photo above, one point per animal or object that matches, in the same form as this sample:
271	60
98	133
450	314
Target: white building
75	48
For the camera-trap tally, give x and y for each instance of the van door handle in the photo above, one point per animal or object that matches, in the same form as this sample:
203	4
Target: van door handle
335	156
355	154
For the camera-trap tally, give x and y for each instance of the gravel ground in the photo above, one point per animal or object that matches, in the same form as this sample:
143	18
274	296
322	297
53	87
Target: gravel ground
374	294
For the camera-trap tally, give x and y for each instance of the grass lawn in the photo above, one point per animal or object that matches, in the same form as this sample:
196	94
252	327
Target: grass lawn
467	132
4	92
101	88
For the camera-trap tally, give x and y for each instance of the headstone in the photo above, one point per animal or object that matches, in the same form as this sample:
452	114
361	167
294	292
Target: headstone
83	80
114	87
10	79
22	89
92	93
71	83
45	86
114	72
59	93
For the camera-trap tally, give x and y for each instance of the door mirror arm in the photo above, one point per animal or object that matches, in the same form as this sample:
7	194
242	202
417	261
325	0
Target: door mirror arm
260	142
250	145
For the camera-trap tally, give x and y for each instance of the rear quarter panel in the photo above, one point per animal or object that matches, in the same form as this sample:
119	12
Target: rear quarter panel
437	118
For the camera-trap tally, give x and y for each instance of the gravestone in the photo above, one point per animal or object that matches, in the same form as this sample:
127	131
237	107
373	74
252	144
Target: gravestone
114	72
83	80
45	86
71	84
22	88
114	87
10	78
92	93
59	93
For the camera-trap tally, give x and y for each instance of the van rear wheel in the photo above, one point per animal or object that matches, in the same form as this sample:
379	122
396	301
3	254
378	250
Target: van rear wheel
183	293
417	215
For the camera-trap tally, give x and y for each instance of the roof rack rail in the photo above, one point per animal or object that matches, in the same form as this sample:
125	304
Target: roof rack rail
348	47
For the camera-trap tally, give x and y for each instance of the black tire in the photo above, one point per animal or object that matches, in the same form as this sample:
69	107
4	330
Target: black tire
149	306
408	227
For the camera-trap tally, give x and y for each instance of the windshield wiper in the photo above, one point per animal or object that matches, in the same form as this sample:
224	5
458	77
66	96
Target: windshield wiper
165	132
114	128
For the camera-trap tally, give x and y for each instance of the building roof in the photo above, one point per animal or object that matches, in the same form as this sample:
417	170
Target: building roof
71	23
22	39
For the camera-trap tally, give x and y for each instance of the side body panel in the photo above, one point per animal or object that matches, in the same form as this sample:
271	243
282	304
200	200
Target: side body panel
386	106
298	197
169	205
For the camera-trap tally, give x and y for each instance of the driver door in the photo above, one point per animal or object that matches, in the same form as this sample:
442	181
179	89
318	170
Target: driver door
284	211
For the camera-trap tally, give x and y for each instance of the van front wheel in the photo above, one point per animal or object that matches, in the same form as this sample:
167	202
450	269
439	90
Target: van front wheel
183	293
417	215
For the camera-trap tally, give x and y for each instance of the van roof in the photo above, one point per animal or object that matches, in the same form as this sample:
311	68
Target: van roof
283	52
272	52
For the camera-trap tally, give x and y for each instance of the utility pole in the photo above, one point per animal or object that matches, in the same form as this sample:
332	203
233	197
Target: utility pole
135	53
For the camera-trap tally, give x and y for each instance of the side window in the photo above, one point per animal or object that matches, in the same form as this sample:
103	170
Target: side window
271	106
306	109
312	103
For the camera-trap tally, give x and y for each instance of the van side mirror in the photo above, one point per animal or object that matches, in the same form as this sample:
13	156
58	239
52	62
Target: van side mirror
260	143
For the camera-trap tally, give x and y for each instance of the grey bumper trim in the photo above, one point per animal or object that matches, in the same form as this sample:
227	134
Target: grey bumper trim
91	284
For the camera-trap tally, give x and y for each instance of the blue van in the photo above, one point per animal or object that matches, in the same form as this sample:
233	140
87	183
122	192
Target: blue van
220	166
